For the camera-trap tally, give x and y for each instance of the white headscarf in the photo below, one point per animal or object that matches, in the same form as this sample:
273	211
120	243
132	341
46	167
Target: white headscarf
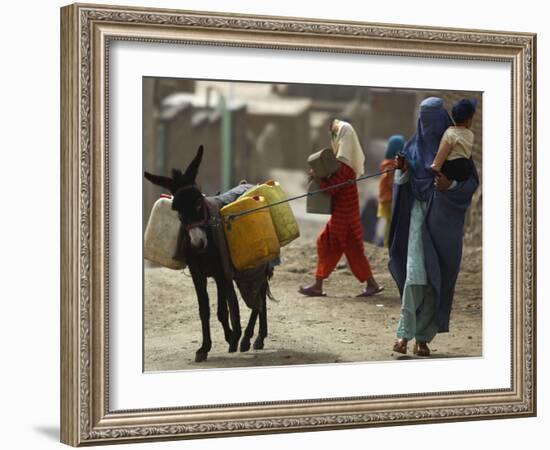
347	148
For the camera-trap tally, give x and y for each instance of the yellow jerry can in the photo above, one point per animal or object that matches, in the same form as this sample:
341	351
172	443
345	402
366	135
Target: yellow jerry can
251	238
283	218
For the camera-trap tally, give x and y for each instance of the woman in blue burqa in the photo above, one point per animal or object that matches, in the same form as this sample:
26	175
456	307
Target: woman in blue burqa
427	225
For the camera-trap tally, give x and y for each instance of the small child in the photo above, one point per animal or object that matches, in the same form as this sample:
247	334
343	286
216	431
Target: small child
453	157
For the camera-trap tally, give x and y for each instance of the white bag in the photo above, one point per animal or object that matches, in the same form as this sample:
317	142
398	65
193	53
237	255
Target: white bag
161	235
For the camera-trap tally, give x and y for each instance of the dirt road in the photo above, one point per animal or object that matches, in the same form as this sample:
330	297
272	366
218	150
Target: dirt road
332	329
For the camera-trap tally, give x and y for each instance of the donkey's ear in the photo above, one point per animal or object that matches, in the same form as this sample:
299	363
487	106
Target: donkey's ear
165	182
176	175
193	168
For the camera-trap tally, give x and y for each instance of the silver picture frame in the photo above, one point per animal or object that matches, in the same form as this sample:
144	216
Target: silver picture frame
86	34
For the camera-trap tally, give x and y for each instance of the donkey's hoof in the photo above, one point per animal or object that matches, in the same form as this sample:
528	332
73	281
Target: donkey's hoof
258	344
245	346
233	346
201	356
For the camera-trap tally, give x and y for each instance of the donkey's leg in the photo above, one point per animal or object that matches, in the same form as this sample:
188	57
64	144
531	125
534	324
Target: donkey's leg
249	331
222	309
262	332
199	280
234	316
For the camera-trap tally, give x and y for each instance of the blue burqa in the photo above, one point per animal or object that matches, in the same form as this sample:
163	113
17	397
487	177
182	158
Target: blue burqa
443	228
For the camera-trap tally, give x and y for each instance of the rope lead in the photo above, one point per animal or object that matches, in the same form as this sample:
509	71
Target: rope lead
231	217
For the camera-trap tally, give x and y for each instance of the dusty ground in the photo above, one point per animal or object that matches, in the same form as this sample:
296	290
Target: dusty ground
336	328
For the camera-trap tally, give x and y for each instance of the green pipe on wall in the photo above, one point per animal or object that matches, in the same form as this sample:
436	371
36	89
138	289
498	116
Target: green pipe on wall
226	144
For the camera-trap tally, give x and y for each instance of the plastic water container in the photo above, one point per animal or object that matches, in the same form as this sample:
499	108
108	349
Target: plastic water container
251	238
320	203
323	163
283	218
161	235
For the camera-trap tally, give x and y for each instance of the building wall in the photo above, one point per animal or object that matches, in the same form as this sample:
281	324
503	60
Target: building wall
322	91
295	135
166	86
392	113
176	140
149	193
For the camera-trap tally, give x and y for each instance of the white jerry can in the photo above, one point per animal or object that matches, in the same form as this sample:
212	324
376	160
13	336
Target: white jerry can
161	235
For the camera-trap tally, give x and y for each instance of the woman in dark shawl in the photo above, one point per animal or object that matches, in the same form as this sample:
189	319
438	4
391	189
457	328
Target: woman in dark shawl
425	242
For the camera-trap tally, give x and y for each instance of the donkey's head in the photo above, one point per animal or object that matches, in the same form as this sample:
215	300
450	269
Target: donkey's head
188	199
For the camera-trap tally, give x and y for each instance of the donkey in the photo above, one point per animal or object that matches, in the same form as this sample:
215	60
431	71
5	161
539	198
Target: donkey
206	255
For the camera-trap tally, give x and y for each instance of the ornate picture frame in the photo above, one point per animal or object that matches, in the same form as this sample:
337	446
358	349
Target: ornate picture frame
86	34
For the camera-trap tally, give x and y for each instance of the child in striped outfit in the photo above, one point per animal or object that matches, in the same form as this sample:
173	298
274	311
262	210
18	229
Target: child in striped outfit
343	234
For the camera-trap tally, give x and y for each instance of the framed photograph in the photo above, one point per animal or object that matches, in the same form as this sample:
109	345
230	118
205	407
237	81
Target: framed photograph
278	225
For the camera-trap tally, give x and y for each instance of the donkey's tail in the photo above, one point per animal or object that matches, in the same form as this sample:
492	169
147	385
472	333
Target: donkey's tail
270	295
269	274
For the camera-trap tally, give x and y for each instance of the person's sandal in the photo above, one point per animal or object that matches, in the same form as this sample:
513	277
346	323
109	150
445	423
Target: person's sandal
309	292
400	346
369	292
421	349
